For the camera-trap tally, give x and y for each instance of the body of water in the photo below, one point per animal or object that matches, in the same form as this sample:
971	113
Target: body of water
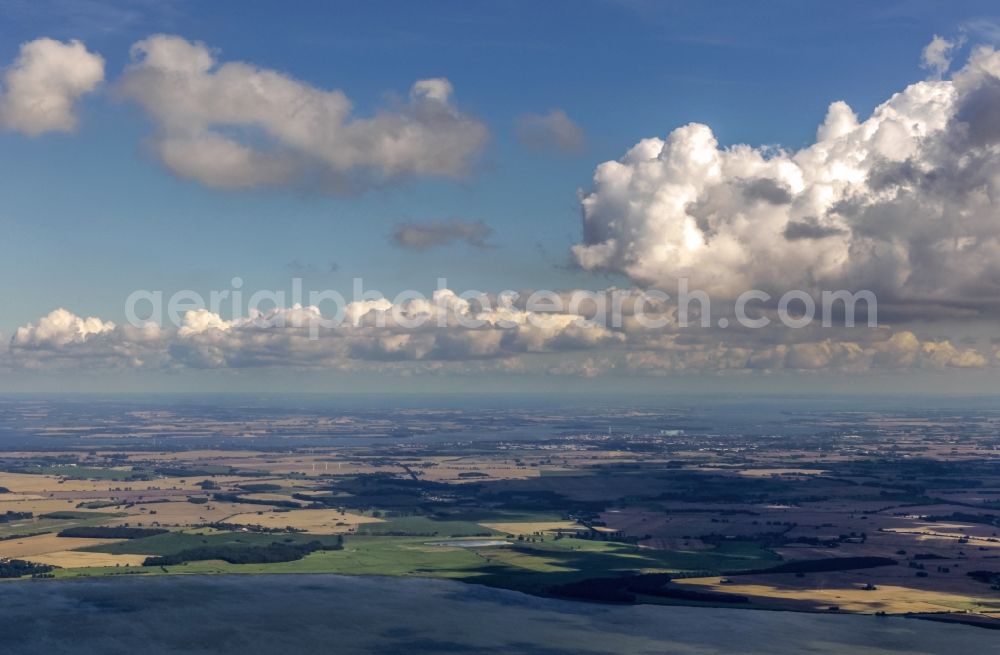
343	615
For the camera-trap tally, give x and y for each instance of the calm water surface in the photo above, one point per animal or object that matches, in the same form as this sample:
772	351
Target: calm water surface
337	614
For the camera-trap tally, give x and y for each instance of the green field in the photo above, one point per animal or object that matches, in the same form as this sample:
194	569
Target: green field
530	567
174	542
73	515
39	525
360	556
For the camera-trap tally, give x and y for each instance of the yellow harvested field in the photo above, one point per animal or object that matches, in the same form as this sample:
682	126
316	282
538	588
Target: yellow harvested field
177	513
46	543
450	469
73	559
532	526
27	483
194	456
318	466
943	535
12	497
318	521
40	505
891	599
762	473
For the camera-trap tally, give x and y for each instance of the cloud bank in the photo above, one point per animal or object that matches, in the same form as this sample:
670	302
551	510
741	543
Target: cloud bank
436	334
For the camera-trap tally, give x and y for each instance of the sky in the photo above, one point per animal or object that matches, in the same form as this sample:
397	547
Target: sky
565	146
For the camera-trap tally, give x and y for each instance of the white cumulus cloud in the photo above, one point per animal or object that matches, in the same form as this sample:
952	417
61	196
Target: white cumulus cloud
234	125
41	88
902	203
936	56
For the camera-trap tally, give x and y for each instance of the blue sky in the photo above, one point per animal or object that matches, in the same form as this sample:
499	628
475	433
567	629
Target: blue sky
91	215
